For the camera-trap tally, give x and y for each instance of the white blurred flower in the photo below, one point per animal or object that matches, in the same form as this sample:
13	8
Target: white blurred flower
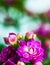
37	6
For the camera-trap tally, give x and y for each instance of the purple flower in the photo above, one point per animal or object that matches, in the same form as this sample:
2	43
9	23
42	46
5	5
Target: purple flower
6	53
30	50
9	53
15	58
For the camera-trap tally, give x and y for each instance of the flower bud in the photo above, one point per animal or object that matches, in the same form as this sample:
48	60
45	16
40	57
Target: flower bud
30	35
12	38
19	36
20	63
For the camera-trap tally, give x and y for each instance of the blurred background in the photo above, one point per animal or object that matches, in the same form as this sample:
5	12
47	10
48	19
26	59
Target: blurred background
23	16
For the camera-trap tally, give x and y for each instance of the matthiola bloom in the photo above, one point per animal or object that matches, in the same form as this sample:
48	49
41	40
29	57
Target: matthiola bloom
8	54
30	51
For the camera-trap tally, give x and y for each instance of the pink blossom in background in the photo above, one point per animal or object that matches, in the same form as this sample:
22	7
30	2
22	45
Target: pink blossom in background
48	14
43	30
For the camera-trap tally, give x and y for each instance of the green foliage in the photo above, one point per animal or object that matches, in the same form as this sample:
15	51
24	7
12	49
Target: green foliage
28	63
1	46
46	62
16	3
0	63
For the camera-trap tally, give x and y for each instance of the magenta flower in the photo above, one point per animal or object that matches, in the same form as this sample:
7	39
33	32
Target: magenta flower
9	54
30	51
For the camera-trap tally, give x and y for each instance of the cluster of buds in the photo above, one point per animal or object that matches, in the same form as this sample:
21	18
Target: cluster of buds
13	38
28	50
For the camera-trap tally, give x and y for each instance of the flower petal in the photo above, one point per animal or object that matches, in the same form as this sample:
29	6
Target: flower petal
8	62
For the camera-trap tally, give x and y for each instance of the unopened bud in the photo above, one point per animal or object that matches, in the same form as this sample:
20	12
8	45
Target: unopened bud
30	35
19	36
12	38
20	63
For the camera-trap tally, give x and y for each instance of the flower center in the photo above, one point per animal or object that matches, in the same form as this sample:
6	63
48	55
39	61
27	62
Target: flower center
29	50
